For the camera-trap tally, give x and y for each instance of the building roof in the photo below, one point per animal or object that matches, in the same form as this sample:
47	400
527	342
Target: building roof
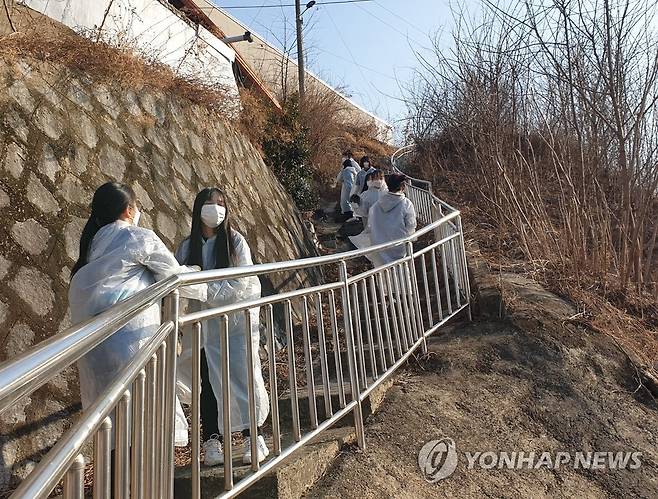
196	14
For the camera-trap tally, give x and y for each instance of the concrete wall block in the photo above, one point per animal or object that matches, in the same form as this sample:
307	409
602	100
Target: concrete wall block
112	162
49	122
17	124
48	165
31	236
41	197
21	94
35	289
14	159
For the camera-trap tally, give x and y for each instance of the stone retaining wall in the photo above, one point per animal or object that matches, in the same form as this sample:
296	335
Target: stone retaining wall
61	136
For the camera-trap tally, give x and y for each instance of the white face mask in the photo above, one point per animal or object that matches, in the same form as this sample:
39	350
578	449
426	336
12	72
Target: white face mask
212	215
136	216
377	184
366	165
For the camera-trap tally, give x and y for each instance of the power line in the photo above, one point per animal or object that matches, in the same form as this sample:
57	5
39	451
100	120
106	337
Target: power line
342	39
398	16
265	6
406	35
384	75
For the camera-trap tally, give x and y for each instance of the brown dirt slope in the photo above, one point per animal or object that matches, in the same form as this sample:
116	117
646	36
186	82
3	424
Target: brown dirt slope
534	382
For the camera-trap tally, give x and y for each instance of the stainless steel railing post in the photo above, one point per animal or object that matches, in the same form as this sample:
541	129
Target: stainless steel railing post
351	357
74	487
467	282
172	310
196	411
102	460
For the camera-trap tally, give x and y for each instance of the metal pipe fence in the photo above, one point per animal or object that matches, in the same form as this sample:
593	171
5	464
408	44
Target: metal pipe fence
355	332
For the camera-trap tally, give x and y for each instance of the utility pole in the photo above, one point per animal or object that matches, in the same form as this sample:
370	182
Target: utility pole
300	50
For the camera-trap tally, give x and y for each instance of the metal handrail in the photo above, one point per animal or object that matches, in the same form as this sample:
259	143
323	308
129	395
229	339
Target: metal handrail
145	388
65	450
32	369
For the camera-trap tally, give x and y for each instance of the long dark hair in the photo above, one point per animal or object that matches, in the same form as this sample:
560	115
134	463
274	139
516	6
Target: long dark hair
224	243
110	201
370	176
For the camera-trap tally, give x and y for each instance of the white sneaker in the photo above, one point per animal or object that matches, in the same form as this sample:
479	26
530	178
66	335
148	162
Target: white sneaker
263	451
214	454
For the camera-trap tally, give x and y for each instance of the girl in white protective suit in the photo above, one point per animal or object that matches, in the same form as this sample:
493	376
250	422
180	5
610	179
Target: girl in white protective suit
374	187
214	245
365	169
392	217
346	177
117	259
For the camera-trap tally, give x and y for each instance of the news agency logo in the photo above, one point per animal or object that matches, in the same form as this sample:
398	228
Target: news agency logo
438	460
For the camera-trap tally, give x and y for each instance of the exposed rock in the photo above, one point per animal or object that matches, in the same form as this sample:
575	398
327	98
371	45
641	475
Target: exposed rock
46	85
41	197
112	162
14	159
72	232
155	138
78	156
24	469
48	165
35	289
31	235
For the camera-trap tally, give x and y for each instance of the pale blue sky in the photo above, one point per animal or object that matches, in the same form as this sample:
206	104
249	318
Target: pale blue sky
368	47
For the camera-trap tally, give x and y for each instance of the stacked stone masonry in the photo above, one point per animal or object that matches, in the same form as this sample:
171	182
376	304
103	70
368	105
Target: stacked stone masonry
62	135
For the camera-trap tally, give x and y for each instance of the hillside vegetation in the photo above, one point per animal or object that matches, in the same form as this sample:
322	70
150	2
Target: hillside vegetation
542	124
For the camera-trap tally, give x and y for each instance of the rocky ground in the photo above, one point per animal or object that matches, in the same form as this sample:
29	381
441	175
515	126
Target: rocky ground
531	382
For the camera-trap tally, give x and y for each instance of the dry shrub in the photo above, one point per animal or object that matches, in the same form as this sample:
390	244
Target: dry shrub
543	123
328	130
105	62
333	128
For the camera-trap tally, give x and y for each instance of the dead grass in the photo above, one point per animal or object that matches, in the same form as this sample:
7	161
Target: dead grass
107	63
328	132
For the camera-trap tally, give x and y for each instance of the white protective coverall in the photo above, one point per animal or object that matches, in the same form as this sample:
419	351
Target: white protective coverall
392	217
368	200
123	259
347	177
224	293
361	179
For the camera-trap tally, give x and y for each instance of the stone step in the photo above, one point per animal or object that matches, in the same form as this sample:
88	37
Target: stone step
296	474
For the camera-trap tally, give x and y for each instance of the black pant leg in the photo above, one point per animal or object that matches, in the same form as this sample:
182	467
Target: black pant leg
208	406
